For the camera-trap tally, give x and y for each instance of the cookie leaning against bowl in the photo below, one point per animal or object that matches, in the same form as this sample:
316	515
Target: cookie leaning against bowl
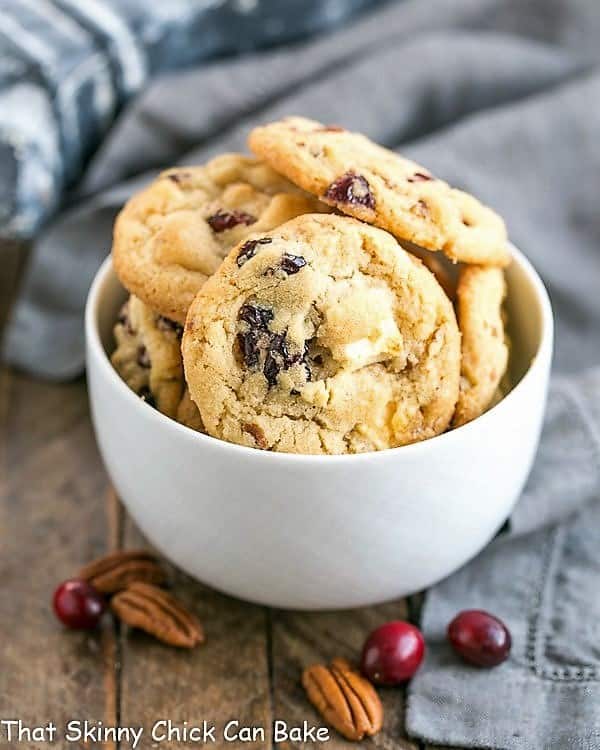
323	336
173	235
188	414
480	294
371	183
148	355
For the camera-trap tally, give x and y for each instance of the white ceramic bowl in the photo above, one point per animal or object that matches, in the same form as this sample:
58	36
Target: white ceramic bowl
321	532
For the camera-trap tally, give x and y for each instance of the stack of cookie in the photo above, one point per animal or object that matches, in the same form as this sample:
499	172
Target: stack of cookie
328	296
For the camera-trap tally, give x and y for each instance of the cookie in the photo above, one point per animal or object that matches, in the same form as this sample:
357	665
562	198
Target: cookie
443	270
148	355
188	414
480	294
323	336
371	183
173	235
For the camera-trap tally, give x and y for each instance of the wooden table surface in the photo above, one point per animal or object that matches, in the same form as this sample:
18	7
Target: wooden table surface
57	512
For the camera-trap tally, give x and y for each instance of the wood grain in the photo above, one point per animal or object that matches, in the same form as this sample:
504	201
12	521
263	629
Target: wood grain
227	678
56	512
299	639
51	520
12	256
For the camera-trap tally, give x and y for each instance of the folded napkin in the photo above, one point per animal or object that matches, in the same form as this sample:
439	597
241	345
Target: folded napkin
499	97
67	68
542	578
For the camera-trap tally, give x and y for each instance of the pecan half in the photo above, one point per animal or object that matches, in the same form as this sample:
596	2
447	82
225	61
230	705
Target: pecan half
116	571
153	610
344	699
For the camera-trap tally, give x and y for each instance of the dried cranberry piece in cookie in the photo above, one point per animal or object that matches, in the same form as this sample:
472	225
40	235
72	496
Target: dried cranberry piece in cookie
248	343
248	250
261	348
351	188
222	220
256	317
272	367
257	337
291	264
277	359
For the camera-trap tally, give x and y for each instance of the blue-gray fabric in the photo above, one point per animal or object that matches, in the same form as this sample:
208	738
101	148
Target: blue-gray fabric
67	67
501	97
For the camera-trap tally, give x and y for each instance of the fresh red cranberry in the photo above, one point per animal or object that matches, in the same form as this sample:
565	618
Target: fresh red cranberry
78	605
480	638
392	653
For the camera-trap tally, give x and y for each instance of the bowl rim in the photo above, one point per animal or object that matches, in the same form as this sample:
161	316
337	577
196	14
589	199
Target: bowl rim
97	354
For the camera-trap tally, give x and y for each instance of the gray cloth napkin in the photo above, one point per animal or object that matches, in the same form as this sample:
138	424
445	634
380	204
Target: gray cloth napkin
500	97
543	580
68	67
